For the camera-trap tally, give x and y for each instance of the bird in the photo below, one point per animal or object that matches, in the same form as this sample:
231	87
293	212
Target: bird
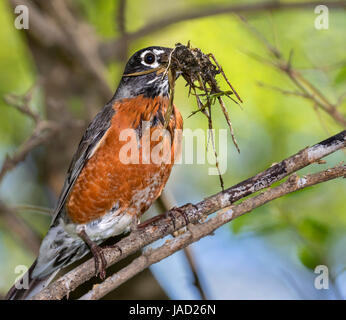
104	193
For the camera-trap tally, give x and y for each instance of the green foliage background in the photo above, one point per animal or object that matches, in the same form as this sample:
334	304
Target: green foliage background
269	127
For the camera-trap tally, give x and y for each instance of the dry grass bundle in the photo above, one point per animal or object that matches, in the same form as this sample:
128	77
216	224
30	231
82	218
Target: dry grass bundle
199	71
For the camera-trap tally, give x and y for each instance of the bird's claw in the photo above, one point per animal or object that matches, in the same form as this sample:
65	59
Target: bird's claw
181	211
100	262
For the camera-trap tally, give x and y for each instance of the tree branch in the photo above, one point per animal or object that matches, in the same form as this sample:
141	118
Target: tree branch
82	38
111	49
305	88
121	17
123	44
19	228
43	132
159	227
196	232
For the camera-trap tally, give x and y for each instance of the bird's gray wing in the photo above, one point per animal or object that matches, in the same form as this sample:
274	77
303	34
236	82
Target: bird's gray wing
93	134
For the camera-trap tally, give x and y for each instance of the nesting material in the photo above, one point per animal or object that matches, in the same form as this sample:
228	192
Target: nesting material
200	71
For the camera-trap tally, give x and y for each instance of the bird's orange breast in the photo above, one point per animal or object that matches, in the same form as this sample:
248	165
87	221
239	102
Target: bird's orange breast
107	182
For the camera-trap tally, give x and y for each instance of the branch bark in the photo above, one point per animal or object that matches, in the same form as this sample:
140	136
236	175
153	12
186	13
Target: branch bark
160	226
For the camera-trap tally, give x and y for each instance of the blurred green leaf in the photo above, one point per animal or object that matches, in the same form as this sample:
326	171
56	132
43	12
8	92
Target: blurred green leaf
238	224
314	230
308	258
340	76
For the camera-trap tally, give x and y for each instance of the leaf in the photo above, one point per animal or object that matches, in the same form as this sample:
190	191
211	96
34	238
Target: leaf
309	258
341	76
238	225
314	230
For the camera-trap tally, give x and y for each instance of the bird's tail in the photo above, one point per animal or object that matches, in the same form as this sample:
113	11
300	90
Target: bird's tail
27	286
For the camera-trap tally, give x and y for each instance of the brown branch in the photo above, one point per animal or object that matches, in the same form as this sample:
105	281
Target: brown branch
22	104
110	50
123	44
283	91
305	88
42	133
19	229
196	232
314	95
43	27
81	37
44	130
192	263
121	19
160	226
56	26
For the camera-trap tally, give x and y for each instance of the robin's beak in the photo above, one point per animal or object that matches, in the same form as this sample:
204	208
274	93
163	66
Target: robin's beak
164	57
164	61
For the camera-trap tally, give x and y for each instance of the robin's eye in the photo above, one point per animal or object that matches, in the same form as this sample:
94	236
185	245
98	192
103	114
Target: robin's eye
149	58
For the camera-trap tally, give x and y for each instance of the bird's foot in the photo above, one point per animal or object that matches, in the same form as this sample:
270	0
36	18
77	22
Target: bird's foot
171	214
148	222
100	261
99	258
134	224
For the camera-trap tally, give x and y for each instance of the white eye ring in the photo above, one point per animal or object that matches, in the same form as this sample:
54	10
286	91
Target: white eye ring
154	64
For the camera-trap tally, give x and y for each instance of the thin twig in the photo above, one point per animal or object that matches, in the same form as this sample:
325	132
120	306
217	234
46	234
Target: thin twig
22	104
19	228
42	133
229	123
35	209
305	88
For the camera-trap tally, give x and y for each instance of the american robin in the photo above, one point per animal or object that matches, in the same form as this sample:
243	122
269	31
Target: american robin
104	193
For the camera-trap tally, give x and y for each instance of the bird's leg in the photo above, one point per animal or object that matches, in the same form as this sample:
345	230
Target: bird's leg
169	214
100	261
181	211
149	221
134	223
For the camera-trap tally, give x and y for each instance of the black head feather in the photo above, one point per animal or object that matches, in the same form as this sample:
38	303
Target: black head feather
150	84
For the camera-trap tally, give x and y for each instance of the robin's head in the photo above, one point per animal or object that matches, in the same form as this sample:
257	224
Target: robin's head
143	74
